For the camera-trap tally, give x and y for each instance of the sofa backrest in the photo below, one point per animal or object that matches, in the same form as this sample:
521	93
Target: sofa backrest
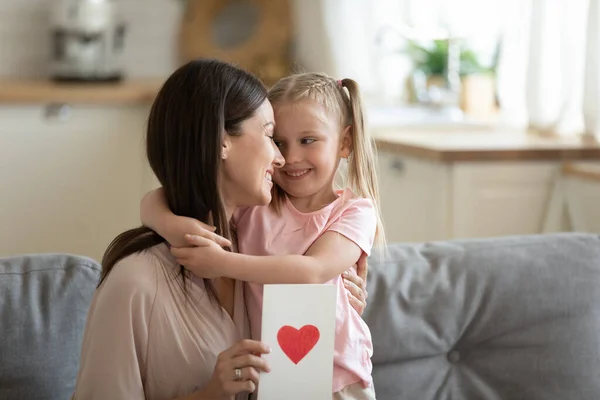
44	300
508	318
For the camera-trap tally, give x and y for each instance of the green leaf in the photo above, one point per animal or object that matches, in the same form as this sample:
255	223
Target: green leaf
433	59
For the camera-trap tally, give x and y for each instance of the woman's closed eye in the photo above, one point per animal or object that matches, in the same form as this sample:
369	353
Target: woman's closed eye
270	134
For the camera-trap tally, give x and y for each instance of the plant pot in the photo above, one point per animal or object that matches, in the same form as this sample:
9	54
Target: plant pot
477	93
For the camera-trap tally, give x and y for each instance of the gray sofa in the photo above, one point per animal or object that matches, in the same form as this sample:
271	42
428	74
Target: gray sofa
44	301
507	318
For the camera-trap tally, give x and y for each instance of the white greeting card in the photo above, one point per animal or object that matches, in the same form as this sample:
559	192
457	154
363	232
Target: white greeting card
298	323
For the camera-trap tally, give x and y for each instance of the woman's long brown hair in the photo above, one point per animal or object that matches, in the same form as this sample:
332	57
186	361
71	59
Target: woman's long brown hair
197	104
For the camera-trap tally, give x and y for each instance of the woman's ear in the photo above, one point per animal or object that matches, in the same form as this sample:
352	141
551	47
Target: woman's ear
225	148
346	142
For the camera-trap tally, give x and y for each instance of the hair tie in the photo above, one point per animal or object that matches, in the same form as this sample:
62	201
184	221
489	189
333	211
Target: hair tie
339	82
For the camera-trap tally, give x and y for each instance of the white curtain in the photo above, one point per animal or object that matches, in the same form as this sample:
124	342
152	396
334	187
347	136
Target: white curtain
344	38
591	98
339	37
548	75
555	65
334	36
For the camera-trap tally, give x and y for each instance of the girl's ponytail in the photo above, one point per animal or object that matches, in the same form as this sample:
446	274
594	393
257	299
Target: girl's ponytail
362	163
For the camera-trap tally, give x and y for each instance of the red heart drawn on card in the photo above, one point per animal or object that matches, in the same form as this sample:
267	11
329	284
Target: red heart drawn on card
297	343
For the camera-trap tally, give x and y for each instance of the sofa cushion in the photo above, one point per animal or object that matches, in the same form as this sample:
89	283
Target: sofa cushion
44	300
507	318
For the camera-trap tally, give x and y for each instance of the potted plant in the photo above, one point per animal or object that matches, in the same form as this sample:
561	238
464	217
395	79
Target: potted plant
477	94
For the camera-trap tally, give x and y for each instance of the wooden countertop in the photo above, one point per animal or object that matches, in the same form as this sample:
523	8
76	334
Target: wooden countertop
485	145
16	92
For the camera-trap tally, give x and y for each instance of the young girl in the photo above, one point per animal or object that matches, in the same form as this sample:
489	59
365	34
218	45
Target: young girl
311	232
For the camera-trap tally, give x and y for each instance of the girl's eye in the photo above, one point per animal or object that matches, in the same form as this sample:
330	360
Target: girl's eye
307	141
277	143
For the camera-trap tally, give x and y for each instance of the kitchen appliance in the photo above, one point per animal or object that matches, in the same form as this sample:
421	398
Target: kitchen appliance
88	40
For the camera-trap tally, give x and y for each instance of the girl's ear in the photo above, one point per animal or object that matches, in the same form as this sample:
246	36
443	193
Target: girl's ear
346	142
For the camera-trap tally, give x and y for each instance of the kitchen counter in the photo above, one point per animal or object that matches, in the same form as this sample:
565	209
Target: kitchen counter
19	92
450	145
456	181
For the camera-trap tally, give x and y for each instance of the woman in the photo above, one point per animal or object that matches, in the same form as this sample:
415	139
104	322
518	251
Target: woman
154	331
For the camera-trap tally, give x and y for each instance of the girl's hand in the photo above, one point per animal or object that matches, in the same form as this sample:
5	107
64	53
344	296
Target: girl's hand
176	227
237	370
202	256
356	286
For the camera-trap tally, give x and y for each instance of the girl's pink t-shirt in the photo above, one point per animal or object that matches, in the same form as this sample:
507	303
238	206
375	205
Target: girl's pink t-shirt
261	231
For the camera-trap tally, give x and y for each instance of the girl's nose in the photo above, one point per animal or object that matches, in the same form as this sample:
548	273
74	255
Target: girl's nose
291	154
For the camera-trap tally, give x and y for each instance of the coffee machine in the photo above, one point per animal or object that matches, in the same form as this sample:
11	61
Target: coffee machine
88	41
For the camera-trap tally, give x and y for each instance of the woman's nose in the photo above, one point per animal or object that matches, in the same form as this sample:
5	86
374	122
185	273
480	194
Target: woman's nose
278	160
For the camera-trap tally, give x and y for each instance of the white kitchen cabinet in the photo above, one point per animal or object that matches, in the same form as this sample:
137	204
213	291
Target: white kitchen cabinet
500	198
70	183
424	200
414	197
586	196
575	198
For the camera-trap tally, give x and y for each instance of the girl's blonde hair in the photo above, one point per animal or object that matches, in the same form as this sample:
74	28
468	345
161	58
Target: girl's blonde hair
341	98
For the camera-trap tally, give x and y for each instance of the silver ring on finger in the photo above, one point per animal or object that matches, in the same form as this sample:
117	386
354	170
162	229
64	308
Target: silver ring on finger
238	374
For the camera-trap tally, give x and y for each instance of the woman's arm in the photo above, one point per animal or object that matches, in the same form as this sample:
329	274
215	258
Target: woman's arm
328	257
116	331
117	336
